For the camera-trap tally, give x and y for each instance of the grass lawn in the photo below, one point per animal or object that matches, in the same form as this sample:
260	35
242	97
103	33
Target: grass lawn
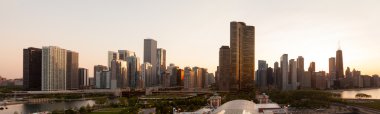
108	111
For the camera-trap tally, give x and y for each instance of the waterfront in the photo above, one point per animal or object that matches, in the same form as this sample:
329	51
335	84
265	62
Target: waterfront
351	93
30	108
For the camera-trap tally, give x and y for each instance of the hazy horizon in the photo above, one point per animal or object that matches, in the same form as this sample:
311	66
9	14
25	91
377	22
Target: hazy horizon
192	31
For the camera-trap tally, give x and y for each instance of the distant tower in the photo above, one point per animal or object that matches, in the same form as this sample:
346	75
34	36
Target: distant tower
224	68
312	75
150	56
261	76
332	71
292	74
339	65
300	70
284	72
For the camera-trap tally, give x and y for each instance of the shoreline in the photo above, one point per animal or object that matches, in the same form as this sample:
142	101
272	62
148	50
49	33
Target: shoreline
352	89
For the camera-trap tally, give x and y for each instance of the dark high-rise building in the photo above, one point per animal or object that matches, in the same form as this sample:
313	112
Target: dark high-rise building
284	72
332	72
32	69
224	68
72	77
300	70
312	75
150	56
97	80
242	46
339	65
83	78
277	75
270	77
261	76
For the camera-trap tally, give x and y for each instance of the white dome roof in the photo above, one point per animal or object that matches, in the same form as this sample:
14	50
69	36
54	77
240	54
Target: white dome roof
237	107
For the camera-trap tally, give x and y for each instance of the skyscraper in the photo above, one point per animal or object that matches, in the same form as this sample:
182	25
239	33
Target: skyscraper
332	72
103	79
32	69
300	70
161	64
150	56
54	60
112	56
146	75
83	78
242	45
313	75
98	68
134	70
284	72
124	54
277	75
180	77
261	76
188	79
197	77
172	70
119	74
133	66
72	70
339	66
292	74
270	77
204	79
224	68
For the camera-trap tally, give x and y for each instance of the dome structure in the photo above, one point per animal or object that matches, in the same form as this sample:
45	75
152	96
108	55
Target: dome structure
237	107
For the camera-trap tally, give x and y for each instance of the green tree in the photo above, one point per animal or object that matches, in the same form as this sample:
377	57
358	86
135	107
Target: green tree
123	101
82	110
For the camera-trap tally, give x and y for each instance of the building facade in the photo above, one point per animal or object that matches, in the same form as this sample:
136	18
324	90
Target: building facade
161	64
54	69
150	56
225	69
83	78
242	46
32	69
72	78
284	72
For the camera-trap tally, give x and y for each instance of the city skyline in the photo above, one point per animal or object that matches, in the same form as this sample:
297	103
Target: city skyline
313	35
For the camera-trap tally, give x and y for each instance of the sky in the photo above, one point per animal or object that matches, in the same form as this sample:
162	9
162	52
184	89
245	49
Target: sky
192	31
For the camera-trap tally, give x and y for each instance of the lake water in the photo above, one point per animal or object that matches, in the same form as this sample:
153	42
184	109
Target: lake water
30	108
350	94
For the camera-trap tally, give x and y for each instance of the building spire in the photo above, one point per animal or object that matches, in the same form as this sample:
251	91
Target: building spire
339	47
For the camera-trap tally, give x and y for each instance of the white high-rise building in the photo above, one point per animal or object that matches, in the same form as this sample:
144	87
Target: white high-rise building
53	68
103	80
284	71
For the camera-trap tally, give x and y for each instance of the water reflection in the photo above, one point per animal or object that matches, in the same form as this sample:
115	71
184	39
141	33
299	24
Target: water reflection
30	108
375	93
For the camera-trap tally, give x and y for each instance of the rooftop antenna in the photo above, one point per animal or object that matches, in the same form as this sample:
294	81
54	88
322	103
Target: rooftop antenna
339	48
